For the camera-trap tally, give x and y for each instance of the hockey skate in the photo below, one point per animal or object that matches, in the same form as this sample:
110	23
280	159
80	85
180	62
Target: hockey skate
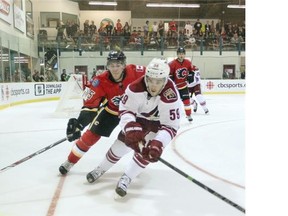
65	167
122	185
190	119
206	111
94	174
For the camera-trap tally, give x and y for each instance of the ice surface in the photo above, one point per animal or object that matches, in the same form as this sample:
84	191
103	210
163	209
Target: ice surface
211	150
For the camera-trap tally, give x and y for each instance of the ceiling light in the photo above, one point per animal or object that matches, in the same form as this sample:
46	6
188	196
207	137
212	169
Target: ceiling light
236	6
103	3
171	5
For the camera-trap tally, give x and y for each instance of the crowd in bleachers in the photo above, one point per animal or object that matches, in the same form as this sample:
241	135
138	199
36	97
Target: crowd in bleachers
152	35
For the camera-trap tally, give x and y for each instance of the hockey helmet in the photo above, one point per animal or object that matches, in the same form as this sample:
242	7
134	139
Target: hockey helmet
181	50
156	75
116	56
158	68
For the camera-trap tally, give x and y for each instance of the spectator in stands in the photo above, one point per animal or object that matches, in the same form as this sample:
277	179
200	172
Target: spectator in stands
118	27
146	28
229	31
150	30
152	43
36	76
154	29
207	29
212	28
92	30
64	75
236	39
68	29
138	40
197	27
242	76
172	26
86	28
126	30
161	28
50	76
190	42
242	72
218	26
225	74
60	31
109	28
16	76
74	30
188	29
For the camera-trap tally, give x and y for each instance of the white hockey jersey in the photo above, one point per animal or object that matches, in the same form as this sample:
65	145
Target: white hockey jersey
197	78
164	108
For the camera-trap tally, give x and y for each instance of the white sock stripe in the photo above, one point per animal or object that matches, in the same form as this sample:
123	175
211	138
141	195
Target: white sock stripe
77	151
111	157
139	162
171	131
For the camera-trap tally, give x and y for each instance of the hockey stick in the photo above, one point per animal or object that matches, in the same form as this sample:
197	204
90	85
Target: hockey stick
78	83
203	186
33	155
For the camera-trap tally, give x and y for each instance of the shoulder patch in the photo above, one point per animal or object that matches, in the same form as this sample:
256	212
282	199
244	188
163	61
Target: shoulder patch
169	94
139	68
95	82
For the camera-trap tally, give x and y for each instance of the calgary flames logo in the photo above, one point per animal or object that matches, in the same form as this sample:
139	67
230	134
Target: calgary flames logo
181	73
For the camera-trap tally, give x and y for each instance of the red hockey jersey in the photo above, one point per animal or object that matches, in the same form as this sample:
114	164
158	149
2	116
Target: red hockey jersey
179	72
104	88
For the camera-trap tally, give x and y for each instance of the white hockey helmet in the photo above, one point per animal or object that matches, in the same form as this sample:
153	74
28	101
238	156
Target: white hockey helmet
156	76
158	68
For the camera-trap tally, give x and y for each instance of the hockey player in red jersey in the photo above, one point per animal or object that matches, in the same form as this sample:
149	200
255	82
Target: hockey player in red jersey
179	70
194	86
149	119
101	106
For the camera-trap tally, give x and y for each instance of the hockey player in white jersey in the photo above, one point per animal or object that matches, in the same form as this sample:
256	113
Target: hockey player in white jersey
194	87
149	119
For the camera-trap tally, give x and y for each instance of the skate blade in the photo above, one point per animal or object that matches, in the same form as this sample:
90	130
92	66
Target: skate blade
117	197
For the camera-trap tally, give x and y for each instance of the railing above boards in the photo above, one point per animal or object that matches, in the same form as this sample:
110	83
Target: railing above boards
142	44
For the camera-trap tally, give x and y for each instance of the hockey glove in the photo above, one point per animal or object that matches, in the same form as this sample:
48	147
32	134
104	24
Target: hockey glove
134	135
190	77
73	130
153	151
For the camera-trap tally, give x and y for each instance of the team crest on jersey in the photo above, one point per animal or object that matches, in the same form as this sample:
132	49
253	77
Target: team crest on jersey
116	100
169	94
95	82
139	68
181	73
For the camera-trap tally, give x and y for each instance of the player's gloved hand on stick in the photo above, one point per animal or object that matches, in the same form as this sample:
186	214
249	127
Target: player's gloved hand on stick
74	129
153	151
134	135
190	77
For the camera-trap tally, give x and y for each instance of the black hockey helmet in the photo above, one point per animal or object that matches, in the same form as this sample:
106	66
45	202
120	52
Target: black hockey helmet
116	55
181	50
